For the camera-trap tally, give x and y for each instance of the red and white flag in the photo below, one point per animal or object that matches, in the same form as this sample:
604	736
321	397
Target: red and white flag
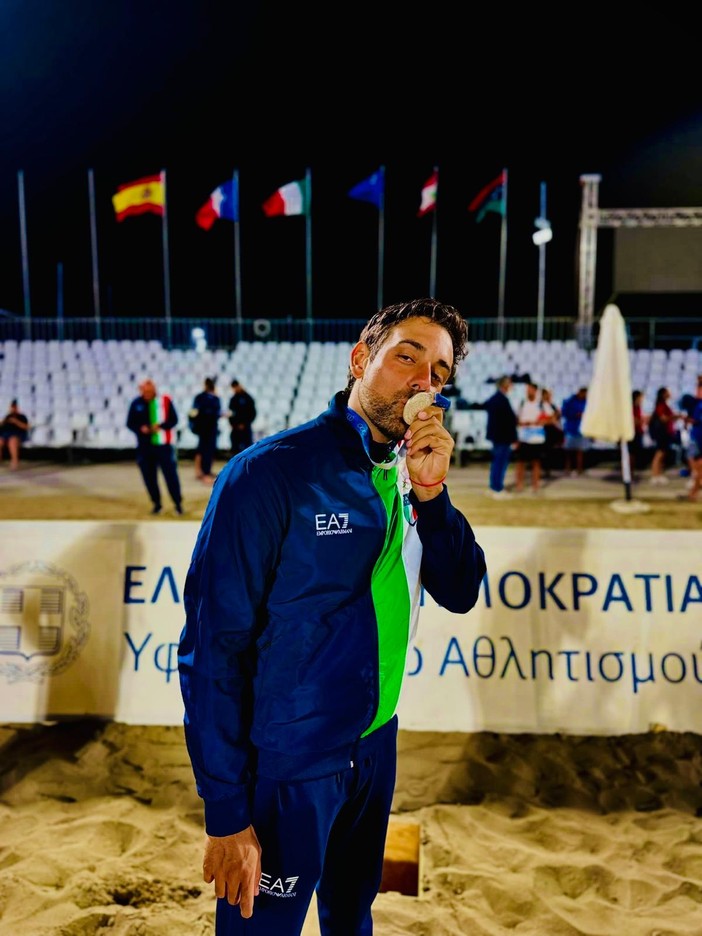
429	189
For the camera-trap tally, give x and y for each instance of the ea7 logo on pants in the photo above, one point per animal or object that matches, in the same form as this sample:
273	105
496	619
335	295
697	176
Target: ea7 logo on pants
332	524
280	887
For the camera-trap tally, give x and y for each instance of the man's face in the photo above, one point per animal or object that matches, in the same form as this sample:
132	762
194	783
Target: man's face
417	354
531	392
148	390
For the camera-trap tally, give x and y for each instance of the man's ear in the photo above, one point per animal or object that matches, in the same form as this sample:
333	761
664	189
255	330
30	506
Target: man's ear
360	355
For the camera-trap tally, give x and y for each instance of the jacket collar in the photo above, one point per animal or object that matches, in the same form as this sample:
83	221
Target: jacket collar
356	428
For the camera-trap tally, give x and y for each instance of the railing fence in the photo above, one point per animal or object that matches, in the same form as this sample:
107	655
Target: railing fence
650	332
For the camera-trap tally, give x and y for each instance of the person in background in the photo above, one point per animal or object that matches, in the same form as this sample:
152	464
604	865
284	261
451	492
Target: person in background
242	413
575	444
531	436
551	415
152	417
694	449
301	601
688	401
501	432
204	422
14	431
663	432
686	405
636	446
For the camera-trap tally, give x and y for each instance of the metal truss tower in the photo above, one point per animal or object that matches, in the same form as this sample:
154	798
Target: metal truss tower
593	217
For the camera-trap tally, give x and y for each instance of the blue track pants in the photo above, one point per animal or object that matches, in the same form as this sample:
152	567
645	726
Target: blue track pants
150	460
326	834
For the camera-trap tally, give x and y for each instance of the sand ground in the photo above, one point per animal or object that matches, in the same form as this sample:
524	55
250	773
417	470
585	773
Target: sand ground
84	490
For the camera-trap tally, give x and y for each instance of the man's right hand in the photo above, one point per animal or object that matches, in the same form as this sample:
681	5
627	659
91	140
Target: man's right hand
233	862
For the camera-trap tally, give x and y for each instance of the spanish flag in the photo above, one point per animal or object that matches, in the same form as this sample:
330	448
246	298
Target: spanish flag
142	196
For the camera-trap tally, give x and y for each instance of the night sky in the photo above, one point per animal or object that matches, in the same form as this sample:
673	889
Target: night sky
200	88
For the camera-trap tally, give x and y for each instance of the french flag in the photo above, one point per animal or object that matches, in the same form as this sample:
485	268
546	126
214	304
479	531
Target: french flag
222	203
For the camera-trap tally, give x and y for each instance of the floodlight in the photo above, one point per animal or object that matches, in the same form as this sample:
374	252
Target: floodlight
199	339
542	236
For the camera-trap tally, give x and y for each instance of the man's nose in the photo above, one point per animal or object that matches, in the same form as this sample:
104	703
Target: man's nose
422	377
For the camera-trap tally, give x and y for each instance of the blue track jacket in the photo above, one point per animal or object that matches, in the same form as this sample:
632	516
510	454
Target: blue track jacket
301	601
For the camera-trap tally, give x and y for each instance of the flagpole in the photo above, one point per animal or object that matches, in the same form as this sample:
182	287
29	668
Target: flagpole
381	237
94	253
25	258
432	263
541	297
237	255
166	262
59	301
308	241
503	263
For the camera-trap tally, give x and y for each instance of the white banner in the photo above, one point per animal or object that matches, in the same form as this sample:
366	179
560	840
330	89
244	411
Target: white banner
575	631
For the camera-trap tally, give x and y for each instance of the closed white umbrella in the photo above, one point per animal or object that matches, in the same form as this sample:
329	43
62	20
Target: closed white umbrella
609	414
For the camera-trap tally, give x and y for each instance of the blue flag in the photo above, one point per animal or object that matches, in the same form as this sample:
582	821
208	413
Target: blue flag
370	189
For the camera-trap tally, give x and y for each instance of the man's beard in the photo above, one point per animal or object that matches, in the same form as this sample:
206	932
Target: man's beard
384	414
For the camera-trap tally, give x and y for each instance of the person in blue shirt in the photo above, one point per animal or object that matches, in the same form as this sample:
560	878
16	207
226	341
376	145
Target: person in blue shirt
301	602
575	444
694	448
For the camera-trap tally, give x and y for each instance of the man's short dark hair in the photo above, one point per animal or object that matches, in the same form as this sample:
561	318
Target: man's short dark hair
379	326
234	383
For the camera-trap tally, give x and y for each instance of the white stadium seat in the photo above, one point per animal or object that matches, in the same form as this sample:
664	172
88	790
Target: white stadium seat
78	392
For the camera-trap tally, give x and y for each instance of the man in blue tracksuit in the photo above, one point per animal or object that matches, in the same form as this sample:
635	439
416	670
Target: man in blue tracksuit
301	601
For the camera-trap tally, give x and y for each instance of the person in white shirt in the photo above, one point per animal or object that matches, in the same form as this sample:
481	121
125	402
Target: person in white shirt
532	439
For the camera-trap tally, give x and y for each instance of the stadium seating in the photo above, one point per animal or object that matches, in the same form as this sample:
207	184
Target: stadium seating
77	393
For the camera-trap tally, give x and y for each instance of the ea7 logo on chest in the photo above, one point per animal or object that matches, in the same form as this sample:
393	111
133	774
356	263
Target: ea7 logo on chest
332	524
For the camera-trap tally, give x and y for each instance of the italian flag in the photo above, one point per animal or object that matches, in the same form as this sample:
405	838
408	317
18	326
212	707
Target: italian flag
290	199
429	189
158	413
